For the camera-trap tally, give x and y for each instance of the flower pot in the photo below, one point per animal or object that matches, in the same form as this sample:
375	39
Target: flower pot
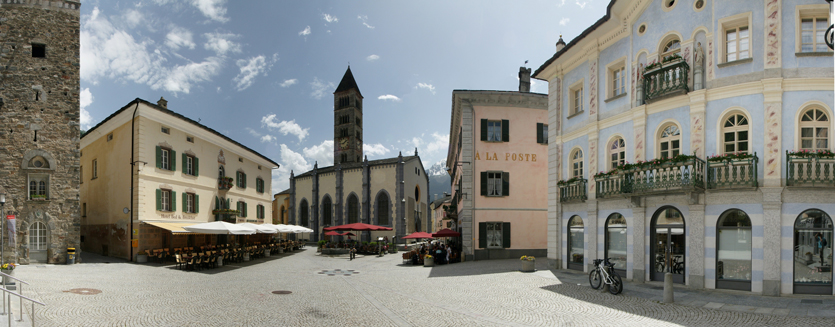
428	261
141	258
528	265
7	280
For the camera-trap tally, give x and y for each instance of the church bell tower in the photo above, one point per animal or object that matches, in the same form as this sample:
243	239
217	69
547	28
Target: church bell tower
347	121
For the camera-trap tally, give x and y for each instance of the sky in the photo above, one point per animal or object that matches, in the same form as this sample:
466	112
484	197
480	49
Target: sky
263	72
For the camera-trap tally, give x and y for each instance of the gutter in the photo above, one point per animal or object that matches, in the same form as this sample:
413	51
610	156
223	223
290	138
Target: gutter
132	165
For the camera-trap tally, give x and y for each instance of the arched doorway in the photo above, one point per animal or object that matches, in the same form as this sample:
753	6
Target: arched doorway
813	253
575	243
37	242
733	251
615	249
668	243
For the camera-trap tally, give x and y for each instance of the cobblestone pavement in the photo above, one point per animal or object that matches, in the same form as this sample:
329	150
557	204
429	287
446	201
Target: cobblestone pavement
380	291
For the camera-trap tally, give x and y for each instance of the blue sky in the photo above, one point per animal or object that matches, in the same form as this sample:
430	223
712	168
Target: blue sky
263	72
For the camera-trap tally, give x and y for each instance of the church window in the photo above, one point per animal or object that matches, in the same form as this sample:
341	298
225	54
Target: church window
327	211
303	216
382	209
353	209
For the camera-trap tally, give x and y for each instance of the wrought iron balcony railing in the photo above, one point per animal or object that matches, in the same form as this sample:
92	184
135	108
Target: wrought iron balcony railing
612	185
574	191
669	177
732	173
668	79
810	170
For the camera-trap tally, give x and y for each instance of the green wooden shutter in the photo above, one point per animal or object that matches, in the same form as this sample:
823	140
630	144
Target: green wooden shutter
173	201
217	202
505	183
539	133
173	157
505	130
196	166
245	213
482	235
185	163
196	203
483	183
159	196
185	202
484	129
159	157
505	235
244	180
228	203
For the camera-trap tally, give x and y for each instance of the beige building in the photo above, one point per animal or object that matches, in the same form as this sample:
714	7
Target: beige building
281	205
182	173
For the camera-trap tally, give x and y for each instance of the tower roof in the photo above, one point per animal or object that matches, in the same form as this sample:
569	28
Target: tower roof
347	83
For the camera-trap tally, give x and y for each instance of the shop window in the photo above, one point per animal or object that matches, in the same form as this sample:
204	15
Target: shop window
813	253
733	250
616	240
576	247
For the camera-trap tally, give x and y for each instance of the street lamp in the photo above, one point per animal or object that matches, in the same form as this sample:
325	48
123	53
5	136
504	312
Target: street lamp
2	216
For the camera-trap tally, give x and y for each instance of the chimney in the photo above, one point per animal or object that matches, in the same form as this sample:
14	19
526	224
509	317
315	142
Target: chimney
162	102
524	80
560	44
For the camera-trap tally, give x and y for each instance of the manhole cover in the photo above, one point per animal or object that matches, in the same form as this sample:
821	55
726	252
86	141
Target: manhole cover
338	272
84	291
812	301
282	292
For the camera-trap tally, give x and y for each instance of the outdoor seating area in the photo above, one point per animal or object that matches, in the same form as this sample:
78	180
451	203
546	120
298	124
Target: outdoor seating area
213	256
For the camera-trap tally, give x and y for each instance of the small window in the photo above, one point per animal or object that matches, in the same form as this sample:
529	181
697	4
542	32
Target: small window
165	200
494	131
165	130
642	29
541	133
38	187
190	203
736	41
38	50
494	184
575	98
165	156
669	4
189	139
84	209
240	159
698	5
95	169
259	167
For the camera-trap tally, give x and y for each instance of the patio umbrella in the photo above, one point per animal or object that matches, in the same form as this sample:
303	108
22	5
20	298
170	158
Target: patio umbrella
418	235
446	232
347	234
219	227
357	227
283	228
263	229
332	233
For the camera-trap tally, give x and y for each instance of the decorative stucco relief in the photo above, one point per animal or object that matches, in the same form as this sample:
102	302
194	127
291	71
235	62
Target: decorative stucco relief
555	92
559	161
634	86
593	88
639	143
592	164
772	39
697	133
772	139
687	50
709	58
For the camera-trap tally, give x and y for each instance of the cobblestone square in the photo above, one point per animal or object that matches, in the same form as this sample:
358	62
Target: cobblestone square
368	291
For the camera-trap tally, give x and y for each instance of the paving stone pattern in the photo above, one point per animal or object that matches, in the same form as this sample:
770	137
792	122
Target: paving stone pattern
386	293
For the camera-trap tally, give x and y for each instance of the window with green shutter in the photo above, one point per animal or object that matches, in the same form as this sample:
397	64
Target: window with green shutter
166	158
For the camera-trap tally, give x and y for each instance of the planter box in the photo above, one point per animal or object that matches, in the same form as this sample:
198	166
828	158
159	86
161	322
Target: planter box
528	266
429	262
141	258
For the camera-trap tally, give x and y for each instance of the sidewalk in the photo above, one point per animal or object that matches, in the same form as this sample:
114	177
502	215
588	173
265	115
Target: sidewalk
726	300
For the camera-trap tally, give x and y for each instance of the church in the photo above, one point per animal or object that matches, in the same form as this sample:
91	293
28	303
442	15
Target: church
391	192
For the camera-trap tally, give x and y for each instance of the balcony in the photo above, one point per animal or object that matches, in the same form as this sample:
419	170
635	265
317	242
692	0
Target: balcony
573	190
682	174
810	168
225	183
227	215
668	78
732	172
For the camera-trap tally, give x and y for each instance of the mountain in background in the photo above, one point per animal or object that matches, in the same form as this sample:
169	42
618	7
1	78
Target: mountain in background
438	180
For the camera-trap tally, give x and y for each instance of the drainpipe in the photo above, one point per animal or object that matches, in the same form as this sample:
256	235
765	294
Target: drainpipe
132	165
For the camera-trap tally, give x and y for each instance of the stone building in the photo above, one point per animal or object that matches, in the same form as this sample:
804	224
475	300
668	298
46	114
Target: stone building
391	192
39	128
695	137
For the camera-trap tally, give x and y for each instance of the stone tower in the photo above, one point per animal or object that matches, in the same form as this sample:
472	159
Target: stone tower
347	121
39	129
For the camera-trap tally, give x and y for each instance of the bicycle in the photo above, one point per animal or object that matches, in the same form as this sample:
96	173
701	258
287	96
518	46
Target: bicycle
604	272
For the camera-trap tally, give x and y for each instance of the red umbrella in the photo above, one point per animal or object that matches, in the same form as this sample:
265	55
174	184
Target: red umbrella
347	233
357	227
332	234
446	232
419	235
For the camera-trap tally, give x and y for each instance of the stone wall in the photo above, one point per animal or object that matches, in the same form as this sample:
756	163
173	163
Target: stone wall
39	119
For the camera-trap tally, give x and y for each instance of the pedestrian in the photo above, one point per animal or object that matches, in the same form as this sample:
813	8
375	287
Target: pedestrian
352	252
821	243
448	251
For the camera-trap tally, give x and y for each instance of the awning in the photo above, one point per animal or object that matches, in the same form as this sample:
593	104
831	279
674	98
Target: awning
175	228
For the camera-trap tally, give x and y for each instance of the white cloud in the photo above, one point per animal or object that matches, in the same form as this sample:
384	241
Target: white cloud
374	150
388	97
372	57
321	154
289	161
364	20
582	4
288	82
268	138
562	3
329	18
212	9
253	132
250	69
112	53
426	86
436	144
564	21
221	43
86	100
179	37
132	17
284	127
320	89
305	31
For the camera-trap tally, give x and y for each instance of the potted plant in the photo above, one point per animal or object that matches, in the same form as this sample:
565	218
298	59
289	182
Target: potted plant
528	263
428	261
8	269
141	256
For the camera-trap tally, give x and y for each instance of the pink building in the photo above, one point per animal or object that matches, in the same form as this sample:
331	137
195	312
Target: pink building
498	160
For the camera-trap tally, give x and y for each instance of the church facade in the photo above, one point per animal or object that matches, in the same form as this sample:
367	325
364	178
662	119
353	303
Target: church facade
390	192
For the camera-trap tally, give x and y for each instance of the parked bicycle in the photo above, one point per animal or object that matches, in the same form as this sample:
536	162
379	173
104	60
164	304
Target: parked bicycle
604	272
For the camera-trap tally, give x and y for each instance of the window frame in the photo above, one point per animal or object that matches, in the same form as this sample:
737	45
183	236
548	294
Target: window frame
612	69
37	185
165	130
730	23
659	140
495	231
38	231
494	131
621	152
95	169
573	160
721	142
814	11
494	183
815	125
575	103
165	196
191	204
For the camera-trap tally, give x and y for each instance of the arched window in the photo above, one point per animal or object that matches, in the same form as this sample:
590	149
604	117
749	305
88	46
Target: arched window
671	47
576	243
382	209
327	211
353	209
37	236
616	240
221	173
669	142
303	213
735	134
733	251
617	153
813	253
577	163
814	130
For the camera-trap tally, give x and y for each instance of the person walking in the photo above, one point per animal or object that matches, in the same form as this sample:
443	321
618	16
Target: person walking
352	252
821	243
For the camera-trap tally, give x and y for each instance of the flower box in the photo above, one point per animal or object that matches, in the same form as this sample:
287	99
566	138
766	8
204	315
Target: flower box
428	261
528	266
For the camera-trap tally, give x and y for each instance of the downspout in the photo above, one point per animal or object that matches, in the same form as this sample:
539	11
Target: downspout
132	164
